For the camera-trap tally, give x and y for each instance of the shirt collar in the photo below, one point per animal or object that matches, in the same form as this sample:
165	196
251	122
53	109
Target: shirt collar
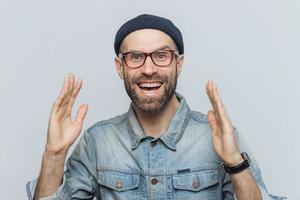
173	133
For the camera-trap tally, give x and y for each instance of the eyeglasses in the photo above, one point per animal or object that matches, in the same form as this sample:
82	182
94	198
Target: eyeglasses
136	59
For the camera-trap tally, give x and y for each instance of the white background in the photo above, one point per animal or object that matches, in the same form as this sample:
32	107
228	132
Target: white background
250	48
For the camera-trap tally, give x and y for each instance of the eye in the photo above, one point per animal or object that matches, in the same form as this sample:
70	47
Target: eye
136	56
161	55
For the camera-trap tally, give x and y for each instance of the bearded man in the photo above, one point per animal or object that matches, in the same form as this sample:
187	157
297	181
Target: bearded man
159	149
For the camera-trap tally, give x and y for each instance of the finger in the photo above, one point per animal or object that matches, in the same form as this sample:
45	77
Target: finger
74	94
220	105
67	97
209	90
212	122
71	86
71	81
63	93
216	134
216	98
81	113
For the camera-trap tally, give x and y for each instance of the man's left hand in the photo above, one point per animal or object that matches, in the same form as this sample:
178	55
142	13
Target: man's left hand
223	137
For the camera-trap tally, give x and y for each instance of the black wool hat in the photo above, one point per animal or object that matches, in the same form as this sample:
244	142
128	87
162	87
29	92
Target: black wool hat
152	22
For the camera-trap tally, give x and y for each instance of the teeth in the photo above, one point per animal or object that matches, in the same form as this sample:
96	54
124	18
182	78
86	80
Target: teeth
149	85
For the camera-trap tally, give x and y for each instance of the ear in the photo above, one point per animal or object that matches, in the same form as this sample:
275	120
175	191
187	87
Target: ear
119	67
179	64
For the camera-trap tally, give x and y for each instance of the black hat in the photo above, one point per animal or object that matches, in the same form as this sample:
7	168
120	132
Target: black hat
149	21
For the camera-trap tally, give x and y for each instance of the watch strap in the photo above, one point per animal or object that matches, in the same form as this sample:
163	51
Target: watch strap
240	167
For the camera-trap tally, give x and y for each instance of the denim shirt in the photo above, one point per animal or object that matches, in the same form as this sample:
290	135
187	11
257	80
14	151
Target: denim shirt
115	160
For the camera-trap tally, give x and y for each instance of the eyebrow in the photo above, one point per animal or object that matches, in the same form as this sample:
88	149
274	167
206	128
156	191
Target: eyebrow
160	48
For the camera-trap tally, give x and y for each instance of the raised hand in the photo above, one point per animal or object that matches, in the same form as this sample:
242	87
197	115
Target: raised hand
223	137
62	131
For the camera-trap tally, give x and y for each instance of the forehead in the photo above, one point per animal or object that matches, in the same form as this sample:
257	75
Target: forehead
146	40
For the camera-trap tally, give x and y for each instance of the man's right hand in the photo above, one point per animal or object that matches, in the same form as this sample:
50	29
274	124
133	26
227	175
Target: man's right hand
62	131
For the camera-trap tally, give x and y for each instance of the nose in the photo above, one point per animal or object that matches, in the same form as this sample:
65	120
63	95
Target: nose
149	68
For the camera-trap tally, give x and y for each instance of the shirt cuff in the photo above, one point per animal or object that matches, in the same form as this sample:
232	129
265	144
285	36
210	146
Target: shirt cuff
31	186
266	196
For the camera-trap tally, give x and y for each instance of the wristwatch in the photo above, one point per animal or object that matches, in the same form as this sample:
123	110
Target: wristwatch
240	167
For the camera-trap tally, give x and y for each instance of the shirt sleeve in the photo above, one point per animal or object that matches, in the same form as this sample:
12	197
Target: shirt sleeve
31	185
255	170
80	177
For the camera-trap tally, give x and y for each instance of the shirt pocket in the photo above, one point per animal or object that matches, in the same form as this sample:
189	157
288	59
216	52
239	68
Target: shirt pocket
118	185
196	185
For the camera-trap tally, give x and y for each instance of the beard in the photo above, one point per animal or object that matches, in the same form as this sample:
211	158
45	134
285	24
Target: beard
151	105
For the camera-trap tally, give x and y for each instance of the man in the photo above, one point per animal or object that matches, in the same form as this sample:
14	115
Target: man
159	149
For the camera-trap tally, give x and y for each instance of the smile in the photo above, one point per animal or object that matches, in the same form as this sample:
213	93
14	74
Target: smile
149	85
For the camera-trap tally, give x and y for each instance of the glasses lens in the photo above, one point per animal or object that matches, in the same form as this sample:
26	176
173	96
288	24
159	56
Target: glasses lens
137	59
134	59
162	58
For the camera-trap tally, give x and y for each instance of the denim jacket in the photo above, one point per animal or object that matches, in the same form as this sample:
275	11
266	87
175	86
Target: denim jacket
115	160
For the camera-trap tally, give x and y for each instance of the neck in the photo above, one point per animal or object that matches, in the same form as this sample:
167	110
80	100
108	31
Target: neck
156	124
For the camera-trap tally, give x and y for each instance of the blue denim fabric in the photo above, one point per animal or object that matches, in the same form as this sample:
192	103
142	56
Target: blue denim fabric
116	160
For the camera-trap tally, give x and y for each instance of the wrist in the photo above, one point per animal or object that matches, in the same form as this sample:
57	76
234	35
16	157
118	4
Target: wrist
54	159
58	152
235	160
239	166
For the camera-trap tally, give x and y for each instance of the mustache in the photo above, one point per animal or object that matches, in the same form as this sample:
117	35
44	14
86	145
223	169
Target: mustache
154	78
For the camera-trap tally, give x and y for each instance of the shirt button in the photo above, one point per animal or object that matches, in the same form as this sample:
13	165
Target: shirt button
154	181
196	184
119	184
153	143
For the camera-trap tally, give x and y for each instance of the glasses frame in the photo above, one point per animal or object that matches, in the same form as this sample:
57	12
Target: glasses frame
123	55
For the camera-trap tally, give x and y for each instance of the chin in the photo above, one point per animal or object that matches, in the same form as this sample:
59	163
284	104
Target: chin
150	105
149	109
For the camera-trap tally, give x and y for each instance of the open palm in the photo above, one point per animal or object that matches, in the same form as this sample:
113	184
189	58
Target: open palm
223	137
62	131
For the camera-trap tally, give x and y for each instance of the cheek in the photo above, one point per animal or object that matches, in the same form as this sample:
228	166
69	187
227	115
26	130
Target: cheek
171	74
129	77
